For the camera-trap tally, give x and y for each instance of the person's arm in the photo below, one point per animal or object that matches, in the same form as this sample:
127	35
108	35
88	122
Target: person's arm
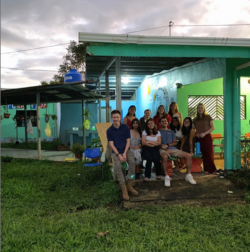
145	142
181	119
125	120
120	156
208	131
173	143
165	146
126	149
192	135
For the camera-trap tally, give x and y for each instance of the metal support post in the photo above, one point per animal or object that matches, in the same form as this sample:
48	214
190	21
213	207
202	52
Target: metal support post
38	125
107	95
118	83
236	122
99	103
83	140
25	126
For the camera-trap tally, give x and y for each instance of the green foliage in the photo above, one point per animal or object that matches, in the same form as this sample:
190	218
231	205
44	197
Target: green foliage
74	59
44	83
86	114
78	148
96	142
54	117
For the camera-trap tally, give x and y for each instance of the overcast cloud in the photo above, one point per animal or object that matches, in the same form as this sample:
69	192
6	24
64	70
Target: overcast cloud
32	23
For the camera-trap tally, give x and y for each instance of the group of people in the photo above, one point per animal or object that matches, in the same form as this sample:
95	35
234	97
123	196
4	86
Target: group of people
155	140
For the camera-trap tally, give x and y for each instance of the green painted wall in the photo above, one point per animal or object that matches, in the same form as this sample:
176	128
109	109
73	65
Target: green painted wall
211	87
107	49
245	90
8	126
214	87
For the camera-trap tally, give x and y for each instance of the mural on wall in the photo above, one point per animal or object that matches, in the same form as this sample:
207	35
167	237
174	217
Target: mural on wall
160	92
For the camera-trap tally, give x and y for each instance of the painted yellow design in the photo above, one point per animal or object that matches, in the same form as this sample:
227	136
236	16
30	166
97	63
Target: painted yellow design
149	90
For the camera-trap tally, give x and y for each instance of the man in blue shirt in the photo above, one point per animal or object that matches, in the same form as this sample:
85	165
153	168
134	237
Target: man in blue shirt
168	142
118	136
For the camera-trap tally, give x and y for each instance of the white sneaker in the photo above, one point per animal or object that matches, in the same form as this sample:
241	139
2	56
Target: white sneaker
189	178
167	181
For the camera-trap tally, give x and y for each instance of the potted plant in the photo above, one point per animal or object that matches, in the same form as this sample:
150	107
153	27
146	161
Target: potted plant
78	150
6	114
96	143
54	117
86	122
46	117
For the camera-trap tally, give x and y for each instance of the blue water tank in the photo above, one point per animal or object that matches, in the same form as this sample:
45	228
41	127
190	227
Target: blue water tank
72	76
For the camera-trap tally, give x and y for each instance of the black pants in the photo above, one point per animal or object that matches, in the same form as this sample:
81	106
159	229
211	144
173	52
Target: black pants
151	155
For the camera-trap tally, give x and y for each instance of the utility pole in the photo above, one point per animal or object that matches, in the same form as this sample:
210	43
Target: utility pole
170	24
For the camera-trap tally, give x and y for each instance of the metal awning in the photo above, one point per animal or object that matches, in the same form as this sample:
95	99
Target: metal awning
133	71
74	91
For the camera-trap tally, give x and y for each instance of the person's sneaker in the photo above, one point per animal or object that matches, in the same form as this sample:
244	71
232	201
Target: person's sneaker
167	181
189	178
222	174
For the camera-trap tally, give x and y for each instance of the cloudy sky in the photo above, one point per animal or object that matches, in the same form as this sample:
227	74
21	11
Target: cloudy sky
30	24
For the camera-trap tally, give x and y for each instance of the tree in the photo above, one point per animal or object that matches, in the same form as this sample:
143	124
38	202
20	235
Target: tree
75	58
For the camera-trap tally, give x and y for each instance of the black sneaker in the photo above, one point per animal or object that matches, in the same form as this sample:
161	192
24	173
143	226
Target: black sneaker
218	171
222	174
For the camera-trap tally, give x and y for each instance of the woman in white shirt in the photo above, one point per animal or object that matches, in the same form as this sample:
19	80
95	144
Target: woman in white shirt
151	139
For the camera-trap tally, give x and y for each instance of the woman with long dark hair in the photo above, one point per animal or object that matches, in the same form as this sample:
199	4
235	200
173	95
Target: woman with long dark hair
174	111
135	145
188	140
204	126
176	127
130	116
151	139
161	113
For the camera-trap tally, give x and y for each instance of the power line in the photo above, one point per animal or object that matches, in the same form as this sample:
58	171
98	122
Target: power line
26	69
35	48
183	26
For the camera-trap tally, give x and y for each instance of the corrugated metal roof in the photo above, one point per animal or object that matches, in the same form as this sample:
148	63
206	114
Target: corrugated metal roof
49	93
160	40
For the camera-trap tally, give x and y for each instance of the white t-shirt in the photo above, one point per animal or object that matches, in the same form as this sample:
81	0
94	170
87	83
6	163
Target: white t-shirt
150	138
178	133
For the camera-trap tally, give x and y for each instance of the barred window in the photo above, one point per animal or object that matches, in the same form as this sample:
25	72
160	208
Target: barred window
214	106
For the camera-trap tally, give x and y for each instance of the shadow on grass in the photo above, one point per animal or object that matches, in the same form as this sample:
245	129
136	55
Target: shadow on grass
52	186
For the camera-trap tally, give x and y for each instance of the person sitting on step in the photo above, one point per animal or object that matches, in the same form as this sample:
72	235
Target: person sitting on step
151	140
135	145
118	136
168	149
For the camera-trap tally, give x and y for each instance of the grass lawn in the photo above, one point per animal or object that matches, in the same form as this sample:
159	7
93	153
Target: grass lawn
46	206
32	146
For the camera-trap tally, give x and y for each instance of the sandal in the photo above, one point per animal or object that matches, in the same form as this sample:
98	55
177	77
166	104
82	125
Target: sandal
158	178
146	179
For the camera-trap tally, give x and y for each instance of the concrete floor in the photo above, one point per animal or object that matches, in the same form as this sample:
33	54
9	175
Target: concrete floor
49	155
58	156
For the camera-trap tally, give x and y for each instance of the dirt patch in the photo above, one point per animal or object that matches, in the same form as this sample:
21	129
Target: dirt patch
210	190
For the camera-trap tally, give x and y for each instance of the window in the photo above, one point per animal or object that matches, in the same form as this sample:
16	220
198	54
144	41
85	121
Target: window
214	106
30	114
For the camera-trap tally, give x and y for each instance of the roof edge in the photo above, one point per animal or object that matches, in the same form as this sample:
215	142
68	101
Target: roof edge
86	37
